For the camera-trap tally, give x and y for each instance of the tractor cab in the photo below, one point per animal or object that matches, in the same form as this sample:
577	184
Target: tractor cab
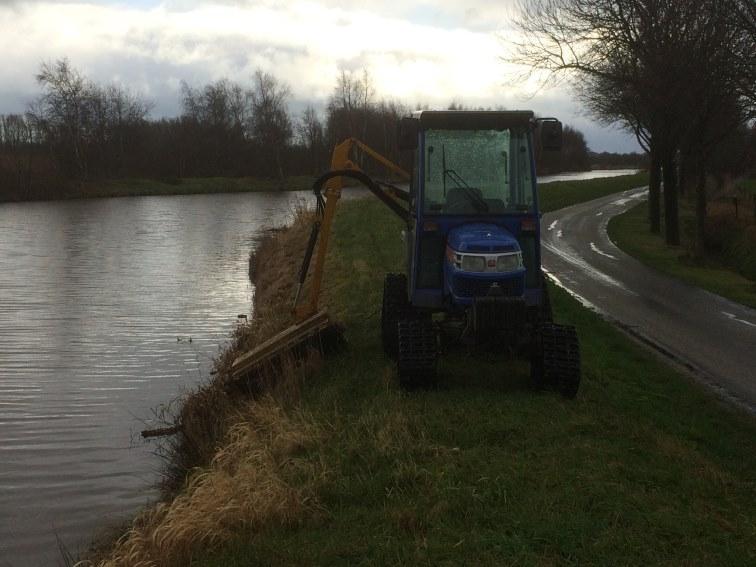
474	230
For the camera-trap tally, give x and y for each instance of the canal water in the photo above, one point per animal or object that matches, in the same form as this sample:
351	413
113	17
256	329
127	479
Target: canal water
108	308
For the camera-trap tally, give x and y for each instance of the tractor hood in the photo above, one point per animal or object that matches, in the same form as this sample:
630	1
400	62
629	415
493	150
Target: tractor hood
481	238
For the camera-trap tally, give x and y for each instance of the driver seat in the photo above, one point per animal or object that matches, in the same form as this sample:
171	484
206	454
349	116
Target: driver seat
458	201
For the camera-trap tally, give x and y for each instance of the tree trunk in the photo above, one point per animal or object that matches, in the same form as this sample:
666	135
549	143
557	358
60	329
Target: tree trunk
683	177
701	212
671	216
654	193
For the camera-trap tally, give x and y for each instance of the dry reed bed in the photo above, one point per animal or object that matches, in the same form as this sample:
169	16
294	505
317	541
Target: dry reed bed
228	468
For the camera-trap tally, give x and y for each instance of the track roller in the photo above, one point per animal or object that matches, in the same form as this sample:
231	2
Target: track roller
417	352
555	361
395	308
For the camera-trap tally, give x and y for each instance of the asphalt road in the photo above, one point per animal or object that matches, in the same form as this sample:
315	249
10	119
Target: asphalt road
711	336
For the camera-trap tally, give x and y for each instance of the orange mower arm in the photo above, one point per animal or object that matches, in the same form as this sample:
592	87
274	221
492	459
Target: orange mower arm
342	166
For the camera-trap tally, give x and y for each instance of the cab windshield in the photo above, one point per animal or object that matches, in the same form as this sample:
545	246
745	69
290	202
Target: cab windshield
477	172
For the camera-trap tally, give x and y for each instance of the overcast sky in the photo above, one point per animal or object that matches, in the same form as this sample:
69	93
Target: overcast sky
422	52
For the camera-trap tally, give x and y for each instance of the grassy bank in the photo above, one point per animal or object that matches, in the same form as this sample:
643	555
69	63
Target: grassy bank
334	464
190	186
560	194
729	269
643	467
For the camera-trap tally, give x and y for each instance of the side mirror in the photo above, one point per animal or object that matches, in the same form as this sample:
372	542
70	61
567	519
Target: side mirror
407	133
551	134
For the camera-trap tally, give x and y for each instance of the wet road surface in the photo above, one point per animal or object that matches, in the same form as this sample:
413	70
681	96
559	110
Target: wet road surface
711	336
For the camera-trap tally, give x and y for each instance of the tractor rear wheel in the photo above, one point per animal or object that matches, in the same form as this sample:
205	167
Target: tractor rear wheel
395	308
417	352
556	359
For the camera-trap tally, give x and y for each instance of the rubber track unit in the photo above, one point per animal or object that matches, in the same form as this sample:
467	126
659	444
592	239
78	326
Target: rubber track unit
418	352
557	360
395	308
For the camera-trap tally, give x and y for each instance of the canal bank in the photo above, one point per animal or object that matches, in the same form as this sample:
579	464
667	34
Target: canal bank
336	463
108	307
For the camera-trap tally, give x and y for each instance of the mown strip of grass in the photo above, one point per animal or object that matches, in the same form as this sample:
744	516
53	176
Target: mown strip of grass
630	232
192	186
560	194
644	467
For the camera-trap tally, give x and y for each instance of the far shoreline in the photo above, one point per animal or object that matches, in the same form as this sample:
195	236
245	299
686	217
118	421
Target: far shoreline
142	187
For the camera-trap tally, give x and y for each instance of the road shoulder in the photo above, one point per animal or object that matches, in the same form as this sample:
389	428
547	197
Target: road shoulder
629	231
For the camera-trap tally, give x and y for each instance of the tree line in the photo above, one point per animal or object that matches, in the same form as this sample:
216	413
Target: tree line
77	131
679	74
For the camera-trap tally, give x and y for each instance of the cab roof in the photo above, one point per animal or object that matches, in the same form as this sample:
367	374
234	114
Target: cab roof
473	119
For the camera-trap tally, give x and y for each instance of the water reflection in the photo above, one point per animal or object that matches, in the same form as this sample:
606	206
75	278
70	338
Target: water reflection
580	175
93	297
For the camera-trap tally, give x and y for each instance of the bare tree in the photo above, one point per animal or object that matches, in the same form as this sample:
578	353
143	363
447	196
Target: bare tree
351	104
63	114
215	125
647	64
271	124
311	136
87	127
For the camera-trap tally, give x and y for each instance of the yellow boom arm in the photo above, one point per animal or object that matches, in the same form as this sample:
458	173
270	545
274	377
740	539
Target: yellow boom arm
341	166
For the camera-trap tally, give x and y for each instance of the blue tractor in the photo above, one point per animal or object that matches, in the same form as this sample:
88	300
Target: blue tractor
473	248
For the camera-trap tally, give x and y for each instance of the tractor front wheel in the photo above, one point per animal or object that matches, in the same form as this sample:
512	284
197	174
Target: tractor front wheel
555	361
417	352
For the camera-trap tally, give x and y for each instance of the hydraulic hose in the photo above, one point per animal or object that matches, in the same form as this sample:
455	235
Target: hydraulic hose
374	188
317	187
307	258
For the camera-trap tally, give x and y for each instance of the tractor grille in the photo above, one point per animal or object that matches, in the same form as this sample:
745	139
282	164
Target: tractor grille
465	286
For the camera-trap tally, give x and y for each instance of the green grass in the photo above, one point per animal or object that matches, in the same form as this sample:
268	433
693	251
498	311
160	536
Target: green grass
192	185
644	467
630	232
560	194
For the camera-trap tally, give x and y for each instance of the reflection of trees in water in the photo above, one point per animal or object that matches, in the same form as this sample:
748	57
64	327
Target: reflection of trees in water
94	296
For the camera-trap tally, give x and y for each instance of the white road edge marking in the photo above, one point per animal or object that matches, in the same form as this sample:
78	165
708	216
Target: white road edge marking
597	251
734	318
553	224
574	294
586	267
631	197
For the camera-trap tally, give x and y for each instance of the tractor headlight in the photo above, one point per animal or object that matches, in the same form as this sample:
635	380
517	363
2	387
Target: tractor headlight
509	262
473	263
